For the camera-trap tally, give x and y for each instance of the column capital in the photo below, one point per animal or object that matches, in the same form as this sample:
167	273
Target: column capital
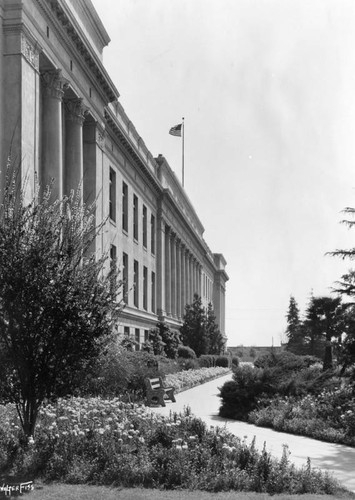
75	110
54	83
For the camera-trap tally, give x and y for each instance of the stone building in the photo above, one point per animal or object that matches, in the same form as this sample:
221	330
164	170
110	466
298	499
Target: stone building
61	119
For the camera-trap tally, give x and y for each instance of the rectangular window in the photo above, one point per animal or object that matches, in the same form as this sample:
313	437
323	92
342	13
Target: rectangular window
137	338
146	335
153	292
144	226
145	288
125	277
135	217
136	284
112	195
113	255
126	331
152	234
124	207
113	265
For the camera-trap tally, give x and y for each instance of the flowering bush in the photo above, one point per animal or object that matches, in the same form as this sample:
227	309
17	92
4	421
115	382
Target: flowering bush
190	378
82	440
329	416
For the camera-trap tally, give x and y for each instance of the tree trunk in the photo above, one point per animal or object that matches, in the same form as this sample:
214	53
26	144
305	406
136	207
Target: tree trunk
328	361
28	412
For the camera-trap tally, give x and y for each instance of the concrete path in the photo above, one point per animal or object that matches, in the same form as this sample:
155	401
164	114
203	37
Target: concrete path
204	403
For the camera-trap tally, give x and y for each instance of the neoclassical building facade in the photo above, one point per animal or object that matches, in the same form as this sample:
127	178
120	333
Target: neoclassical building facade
61	118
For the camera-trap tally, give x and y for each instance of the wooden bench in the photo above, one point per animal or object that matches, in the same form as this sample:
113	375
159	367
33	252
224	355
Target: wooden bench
156	392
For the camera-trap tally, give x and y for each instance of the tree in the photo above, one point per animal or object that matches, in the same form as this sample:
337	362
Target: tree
215	338
325	321
346	288
313	341
294	328
346	342
57	305
171	339
193	331
163	341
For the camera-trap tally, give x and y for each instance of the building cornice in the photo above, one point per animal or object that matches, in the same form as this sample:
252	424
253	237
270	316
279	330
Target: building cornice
131	149
72	29
198	242
222	274
182	199
97	23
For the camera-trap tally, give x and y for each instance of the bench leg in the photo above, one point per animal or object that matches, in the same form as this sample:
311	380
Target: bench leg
171	396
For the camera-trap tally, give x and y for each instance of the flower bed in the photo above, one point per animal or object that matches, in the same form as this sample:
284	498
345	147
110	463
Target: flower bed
182	381
329	416
100	441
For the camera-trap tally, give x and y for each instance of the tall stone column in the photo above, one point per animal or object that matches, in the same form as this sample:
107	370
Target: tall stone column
187	277
193	264
173	274
160	269
53	85
74	118
93	148
200	280
20	113
191	290
167	271
178	278
183	280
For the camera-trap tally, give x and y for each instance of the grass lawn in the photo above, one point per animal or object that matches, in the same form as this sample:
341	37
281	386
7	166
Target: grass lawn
84	492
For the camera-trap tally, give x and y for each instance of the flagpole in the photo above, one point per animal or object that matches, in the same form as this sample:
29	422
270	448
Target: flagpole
183	151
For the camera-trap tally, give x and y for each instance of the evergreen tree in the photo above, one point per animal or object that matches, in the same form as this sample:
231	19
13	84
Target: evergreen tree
314	341
194	331
294	329
346	287
216	340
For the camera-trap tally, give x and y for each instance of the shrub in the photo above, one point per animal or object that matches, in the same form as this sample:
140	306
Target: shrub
186	352
121	372
328	416
235	362
239	396
206	361
188	364
285	360
222	361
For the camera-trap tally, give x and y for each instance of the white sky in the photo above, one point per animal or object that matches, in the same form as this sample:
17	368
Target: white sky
267	89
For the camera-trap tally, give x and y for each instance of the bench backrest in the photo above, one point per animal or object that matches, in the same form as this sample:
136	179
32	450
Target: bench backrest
154	383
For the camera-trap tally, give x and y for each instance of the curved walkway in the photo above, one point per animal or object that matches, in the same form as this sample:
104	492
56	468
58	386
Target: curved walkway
204	403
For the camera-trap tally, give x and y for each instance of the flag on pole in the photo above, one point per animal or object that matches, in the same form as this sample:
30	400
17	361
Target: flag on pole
176	130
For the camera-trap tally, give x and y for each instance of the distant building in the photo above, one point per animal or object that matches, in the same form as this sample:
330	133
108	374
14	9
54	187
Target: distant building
61	118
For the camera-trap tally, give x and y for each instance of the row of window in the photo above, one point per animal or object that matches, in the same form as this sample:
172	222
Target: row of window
136	225
136	281
137	336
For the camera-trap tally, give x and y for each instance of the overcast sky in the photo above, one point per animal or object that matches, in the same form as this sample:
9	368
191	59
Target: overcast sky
267	89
